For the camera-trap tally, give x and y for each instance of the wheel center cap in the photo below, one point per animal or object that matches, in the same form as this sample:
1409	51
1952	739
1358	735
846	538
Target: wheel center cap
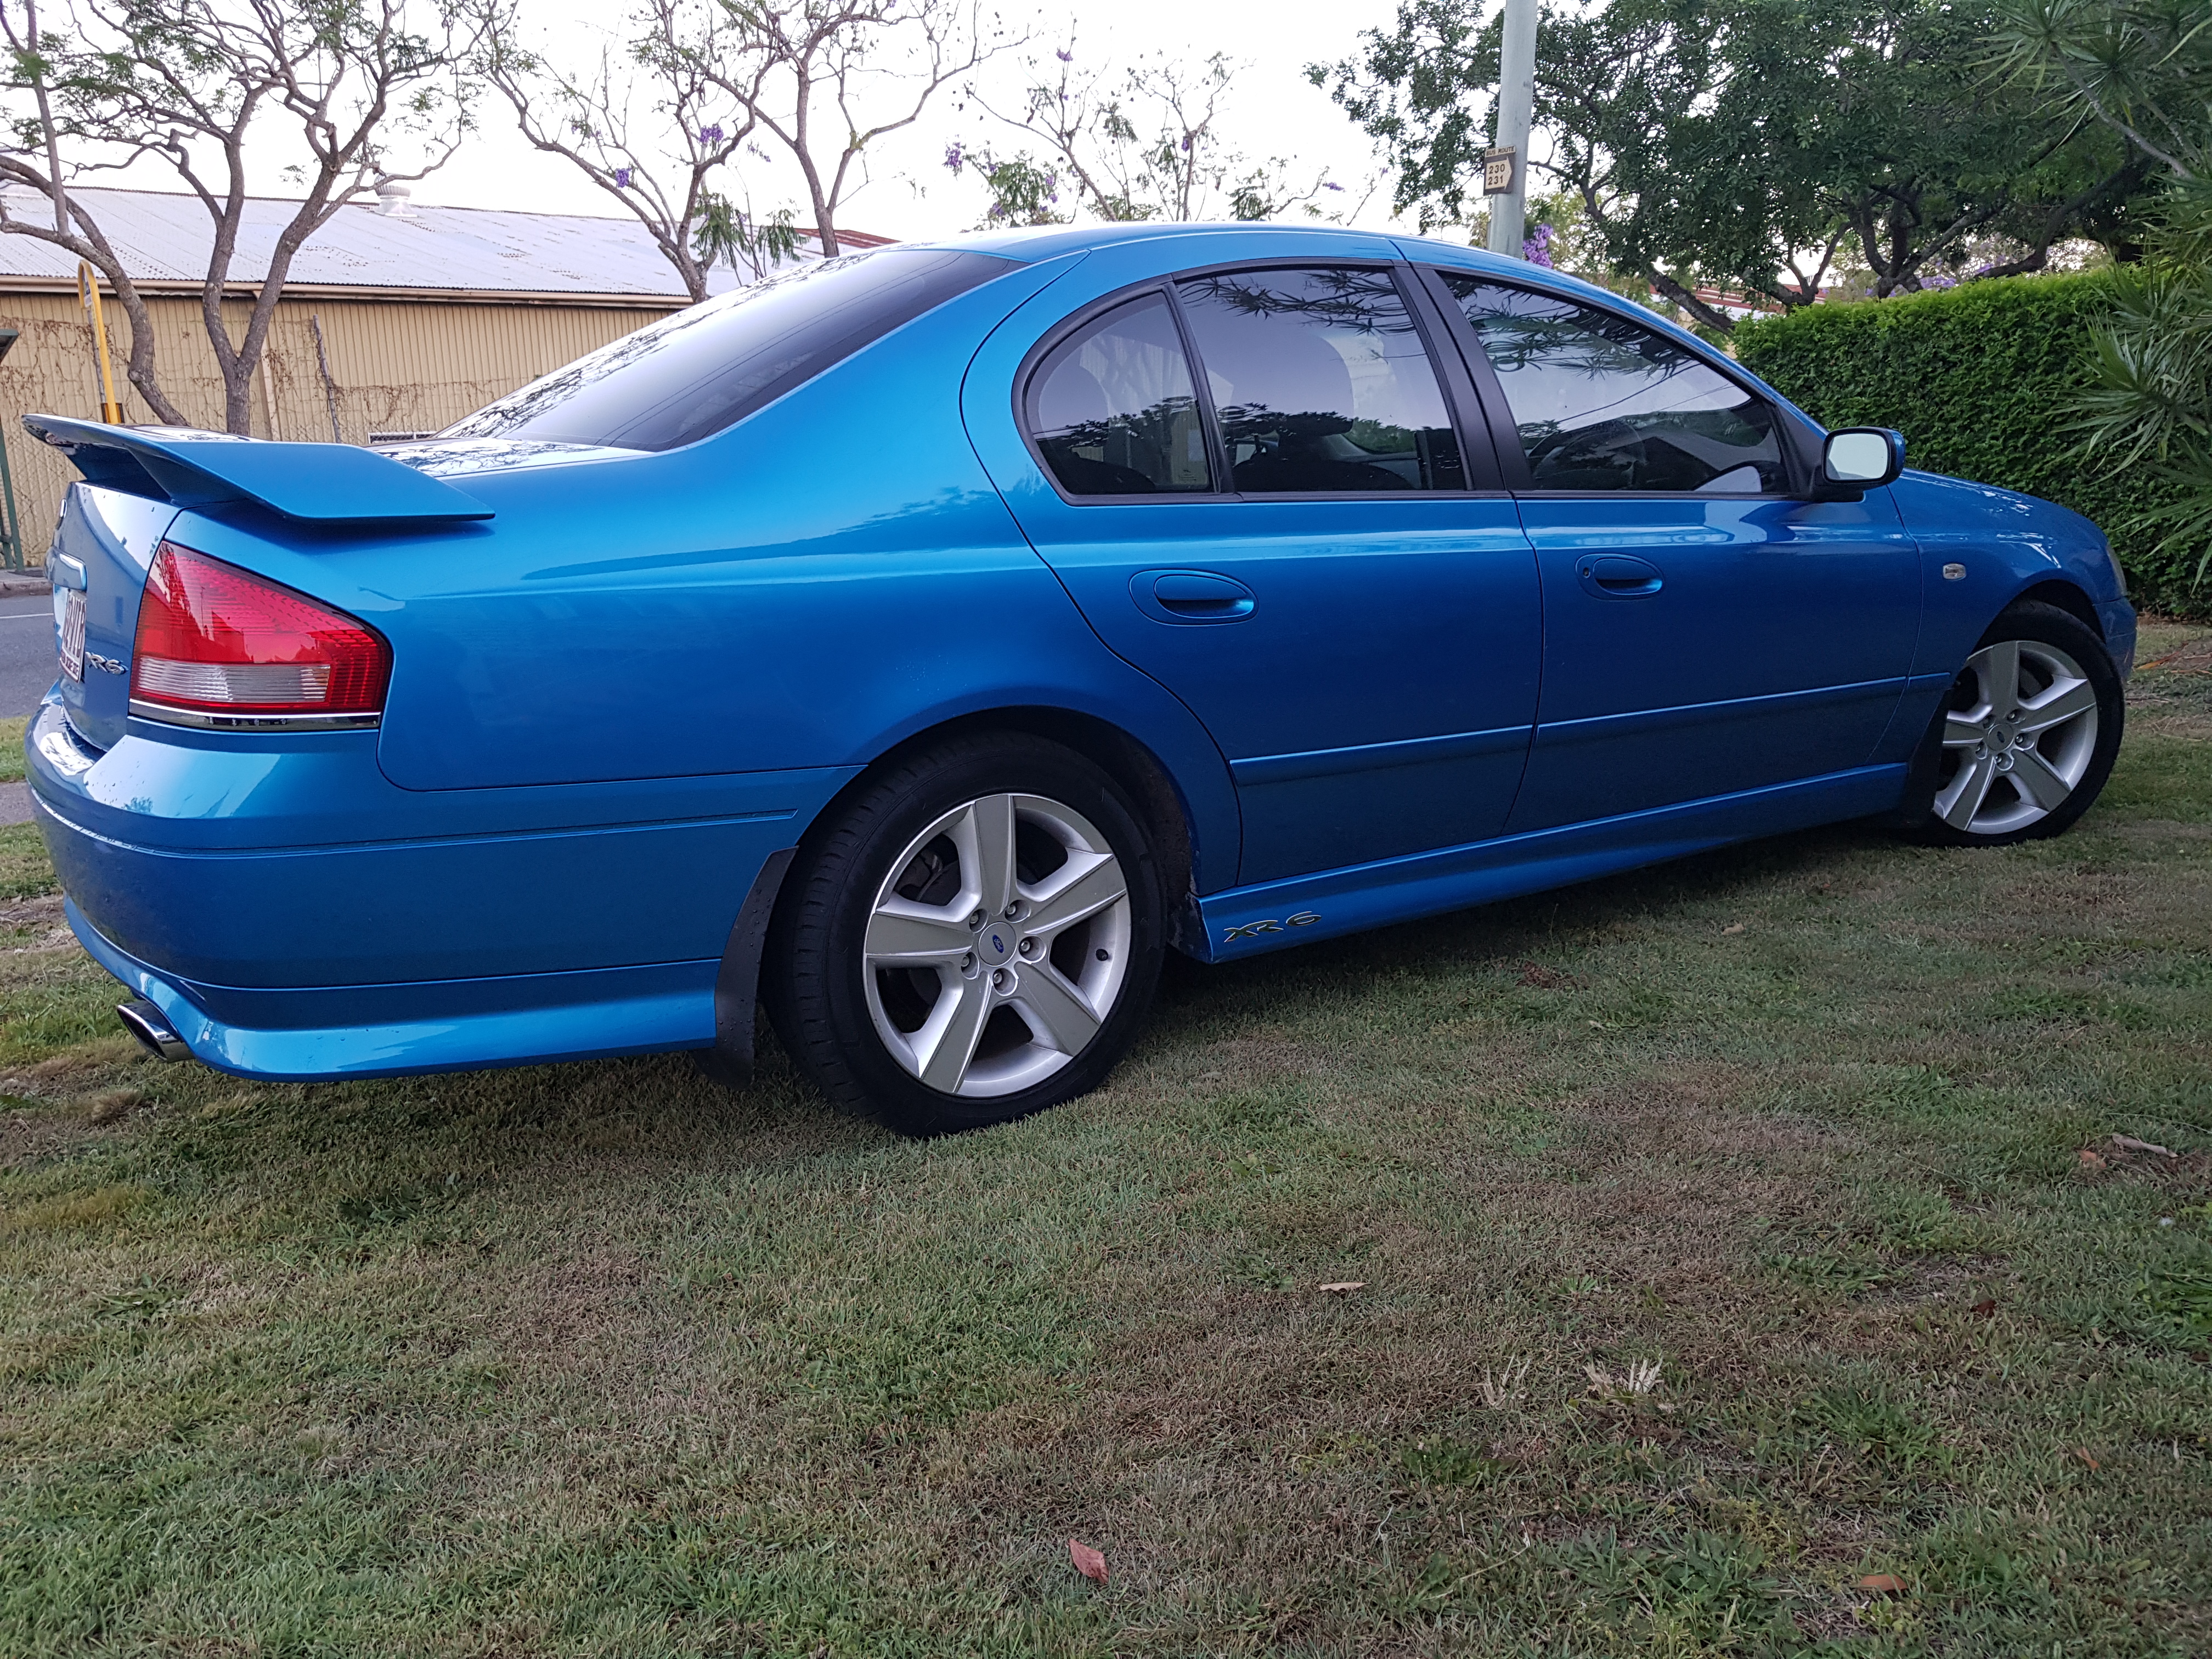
1999	737
996	943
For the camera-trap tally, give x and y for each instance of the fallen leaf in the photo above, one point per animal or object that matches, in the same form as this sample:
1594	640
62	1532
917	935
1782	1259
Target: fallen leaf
1985	1308
2129	1144
1347	1285
2090	1160
1886	1584
1088	1562
1733	928
2082	1453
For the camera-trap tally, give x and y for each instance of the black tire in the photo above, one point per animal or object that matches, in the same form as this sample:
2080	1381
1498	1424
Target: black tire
1935	768
824	1000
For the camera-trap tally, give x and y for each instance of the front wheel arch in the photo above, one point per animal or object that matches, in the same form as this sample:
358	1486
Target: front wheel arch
2077	647
2066	596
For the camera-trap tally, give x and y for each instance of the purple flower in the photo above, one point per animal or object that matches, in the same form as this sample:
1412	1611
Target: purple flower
1186	143
1065	57
710	135
998	210
1537	250
953	158
1329	186
621	177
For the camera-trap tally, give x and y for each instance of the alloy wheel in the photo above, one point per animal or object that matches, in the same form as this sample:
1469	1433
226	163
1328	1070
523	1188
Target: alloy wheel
2018	735
997	945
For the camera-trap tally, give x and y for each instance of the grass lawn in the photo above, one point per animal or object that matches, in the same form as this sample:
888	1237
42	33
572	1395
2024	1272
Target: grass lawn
1725	1235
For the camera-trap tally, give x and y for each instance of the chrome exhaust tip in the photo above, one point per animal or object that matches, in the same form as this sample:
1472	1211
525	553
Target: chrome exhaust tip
145	1022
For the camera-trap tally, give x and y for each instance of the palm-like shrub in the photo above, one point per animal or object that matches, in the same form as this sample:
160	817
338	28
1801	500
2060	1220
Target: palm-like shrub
2144	68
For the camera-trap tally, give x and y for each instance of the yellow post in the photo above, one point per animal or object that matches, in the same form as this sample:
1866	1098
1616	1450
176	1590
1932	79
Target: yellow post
87	290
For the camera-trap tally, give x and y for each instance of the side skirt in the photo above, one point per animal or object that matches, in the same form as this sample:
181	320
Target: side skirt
1245	921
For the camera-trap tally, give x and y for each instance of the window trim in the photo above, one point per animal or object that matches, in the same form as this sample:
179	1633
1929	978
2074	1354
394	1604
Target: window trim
1419	305
1506	435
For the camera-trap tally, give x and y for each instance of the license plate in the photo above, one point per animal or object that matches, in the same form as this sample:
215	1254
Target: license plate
72	645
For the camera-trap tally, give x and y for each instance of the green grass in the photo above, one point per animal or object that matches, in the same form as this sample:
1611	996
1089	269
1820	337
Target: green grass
597	1360
11	749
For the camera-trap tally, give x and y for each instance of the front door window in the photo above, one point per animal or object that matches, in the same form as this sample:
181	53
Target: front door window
1603	403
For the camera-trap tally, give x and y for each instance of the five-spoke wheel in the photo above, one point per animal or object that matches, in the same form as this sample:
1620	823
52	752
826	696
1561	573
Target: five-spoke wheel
974	936
998	944
2027	736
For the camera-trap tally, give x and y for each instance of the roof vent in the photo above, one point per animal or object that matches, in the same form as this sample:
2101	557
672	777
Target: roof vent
394	200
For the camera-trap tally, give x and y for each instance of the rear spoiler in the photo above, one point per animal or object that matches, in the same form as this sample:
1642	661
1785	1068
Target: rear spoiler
314	483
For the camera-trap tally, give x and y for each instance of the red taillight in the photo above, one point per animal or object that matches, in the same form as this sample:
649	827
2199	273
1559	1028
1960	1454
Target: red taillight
216	639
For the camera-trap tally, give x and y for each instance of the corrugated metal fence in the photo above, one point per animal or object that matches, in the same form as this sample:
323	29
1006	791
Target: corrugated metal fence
394	366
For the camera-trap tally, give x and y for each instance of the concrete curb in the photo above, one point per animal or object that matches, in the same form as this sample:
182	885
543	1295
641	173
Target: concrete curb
15	584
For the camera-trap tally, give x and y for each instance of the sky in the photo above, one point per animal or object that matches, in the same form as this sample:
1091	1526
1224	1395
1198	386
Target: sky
1271	110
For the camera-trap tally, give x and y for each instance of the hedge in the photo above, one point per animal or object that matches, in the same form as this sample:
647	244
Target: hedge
1979	379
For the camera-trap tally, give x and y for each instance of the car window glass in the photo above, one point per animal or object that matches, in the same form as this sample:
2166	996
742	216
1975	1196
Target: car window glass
1113	410
1603	403
1320	382
707	366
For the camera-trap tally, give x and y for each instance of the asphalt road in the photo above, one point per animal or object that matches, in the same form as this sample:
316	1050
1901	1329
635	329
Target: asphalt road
27	652
27	667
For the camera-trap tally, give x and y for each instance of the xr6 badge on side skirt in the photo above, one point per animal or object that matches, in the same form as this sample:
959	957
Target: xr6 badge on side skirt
1254	929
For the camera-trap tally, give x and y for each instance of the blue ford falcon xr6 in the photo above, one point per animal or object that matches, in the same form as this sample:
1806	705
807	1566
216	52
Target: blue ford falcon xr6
923	643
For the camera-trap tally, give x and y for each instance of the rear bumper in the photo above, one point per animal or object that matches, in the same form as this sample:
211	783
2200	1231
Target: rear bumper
438	1025
295	914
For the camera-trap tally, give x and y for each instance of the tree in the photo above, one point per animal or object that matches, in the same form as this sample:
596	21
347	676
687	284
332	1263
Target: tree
2143	70
366	90
1752	143
1136	143
793	66
651	125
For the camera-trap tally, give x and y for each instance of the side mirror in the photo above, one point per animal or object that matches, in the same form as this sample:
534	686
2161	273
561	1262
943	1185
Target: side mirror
1860	457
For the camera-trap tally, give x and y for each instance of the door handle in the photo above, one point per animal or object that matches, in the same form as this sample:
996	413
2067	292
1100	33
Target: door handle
1191	596
1615	576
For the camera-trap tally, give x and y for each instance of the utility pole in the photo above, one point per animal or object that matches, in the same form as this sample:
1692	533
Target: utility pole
1516	105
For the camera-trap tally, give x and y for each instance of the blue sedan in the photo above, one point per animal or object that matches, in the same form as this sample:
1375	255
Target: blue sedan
923	643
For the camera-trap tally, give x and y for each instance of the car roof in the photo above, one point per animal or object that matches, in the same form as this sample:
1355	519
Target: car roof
1033	244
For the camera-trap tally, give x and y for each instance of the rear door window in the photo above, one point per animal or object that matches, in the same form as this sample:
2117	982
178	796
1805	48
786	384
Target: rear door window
1603	403
1320	382
1113	410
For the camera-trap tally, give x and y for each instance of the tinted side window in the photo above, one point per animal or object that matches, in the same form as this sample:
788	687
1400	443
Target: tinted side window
1114	409
1604	403
688	376
1320	382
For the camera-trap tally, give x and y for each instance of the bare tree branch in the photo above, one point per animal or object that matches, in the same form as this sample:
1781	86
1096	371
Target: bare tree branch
366	90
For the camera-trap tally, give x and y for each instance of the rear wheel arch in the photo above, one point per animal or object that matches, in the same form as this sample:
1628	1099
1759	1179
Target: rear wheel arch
1127	759
827	916
1130	763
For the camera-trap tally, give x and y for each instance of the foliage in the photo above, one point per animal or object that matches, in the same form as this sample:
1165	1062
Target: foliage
358	90
811	76
1978	378
1140	142
651	125
749	246
2143	69
1753	142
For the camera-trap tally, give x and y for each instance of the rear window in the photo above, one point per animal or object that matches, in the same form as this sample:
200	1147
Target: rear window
689	376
